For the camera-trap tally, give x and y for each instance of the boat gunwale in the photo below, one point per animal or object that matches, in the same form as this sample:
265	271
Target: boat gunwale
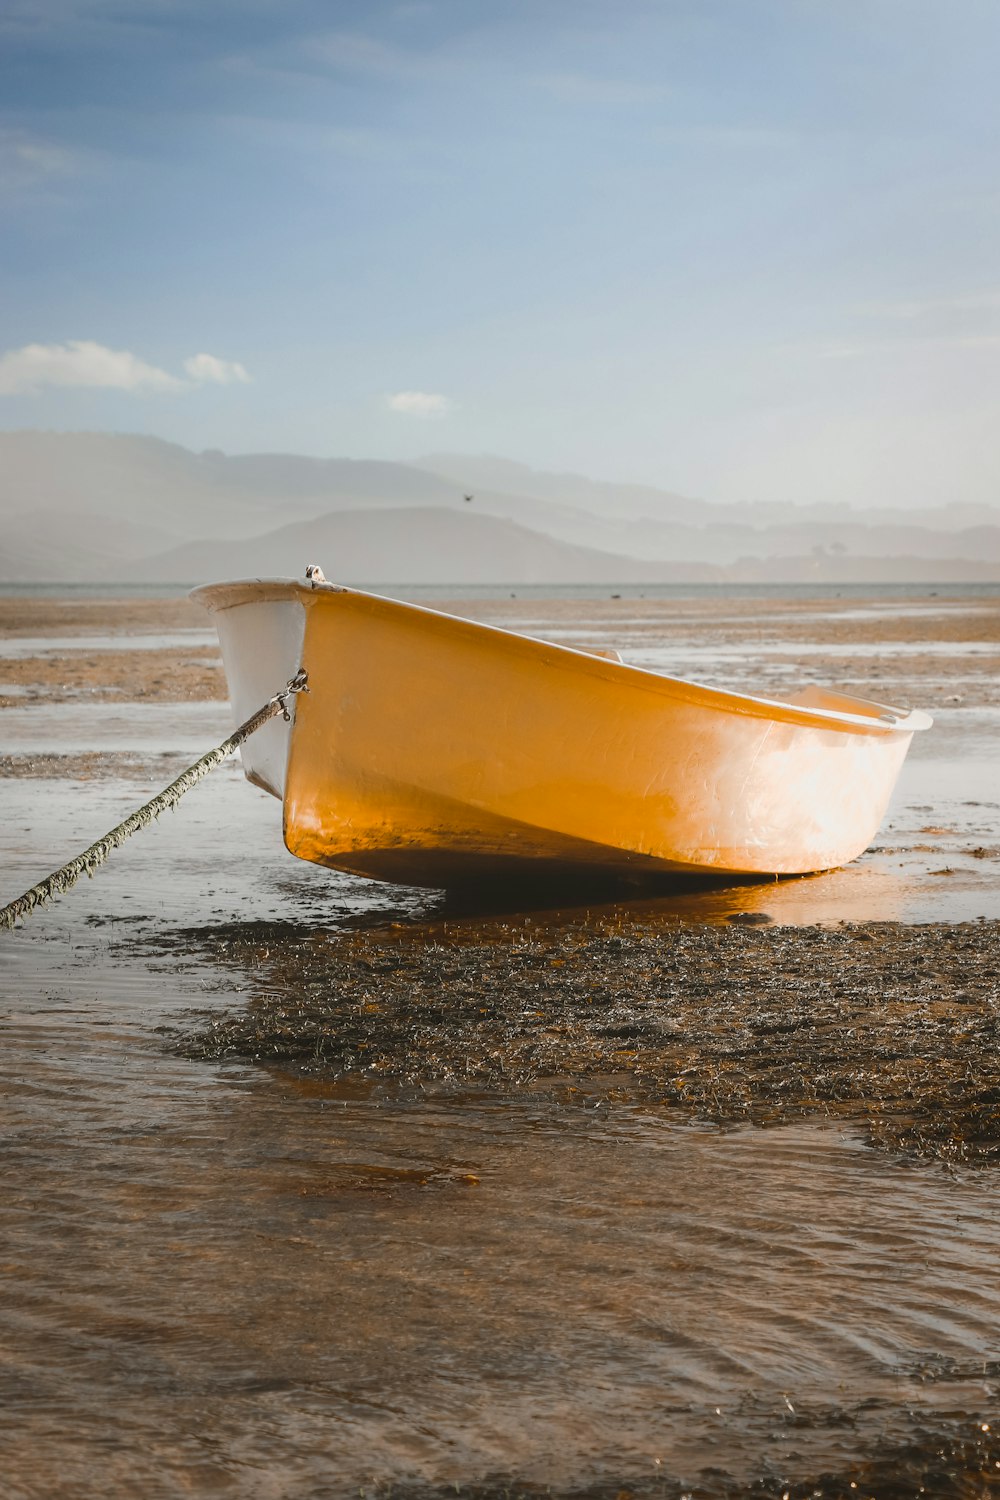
217	597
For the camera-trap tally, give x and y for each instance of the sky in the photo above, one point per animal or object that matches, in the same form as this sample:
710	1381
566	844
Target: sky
741	249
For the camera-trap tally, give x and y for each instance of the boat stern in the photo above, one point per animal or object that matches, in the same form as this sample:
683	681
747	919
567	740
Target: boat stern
261	625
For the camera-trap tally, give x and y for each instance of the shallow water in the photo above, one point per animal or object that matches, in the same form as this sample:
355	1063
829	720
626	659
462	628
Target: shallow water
659	658
15	648
226	1280
273	1288
72	728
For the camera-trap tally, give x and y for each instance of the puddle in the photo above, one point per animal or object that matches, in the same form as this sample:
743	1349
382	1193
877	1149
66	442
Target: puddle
708	654
16	648
72	728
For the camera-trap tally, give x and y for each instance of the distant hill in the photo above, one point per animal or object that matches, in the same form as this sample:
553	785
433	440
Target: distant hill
427	545
143	479
723	544
80	506
831	569
638	503
483	471
53	544
413	545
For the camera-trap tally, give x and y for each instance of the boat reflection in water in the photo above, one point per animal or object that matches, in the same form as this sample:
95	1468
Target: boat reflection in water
431	750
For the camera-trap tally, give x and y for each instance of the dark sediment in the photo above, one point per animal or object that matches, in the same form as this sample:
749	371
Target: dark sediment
93	765
895	1027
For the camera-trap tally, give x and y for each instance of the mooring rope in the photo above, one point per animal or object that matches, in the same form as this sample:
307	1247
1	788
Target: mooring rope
91	859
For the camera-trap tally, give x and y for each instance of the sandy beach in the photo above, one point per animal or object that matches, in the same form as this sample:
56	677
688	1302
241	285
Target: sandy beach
379	1189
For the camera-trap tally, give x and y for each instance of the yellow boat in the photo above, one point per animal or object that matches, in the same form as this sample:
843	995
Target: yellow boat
433	751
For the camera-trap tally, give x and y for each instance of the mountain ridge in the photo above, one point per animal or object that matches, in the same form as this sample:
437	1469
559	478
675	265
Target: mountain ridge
79	506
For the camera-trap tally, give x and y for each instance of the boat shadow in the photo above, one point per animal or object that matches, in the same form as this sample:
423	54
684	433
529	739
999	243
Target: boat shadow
476	907
699	897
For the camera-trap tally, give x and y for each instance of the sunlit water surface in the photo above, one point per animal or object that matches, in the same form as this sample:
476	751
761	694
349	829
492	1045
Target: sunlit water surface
229	1281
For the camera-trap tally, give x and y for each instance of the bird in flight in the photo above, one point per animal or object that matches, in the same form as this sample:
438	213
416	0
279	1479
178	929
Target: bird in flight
467	498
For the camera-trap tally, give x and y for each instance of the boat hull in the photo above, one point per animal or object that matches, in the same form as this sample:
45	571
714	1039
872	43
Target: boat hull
435	751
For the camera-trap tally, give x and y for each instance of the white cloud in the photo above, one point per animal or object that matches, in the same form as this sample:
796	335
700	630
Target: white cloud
83	364
205	368
419	403
728	137
580	88
356	53
80	363
976	302
26	160
907	347
352	52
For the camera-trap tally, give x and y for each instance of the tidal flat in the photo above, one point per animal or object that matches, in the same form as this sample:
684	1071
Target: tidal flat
315	1188
891	1027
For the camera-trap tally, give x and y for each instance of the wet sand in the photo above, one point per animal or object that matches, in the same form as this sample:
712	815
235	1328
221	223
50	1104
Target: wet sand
313	1186
106	651
22	615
